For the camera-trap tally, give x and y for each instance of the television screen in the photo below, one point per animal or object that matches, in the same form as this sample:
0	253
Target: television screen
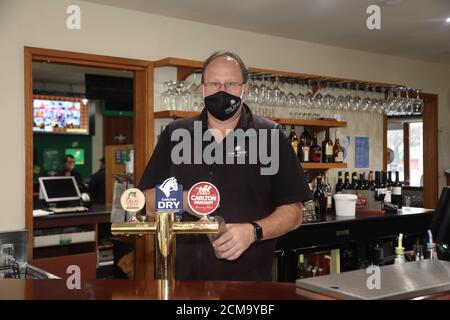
78	154
60	115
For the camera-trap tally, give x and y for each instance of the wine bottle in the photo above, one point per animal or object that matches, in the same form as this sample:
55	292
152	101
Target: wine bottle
354	184
320	200
389	180
377	184
371	182
362	182
315	150
327	148
301	267
339	185
382	189
327	190
293	139
347	181
397	197
338	151
303	147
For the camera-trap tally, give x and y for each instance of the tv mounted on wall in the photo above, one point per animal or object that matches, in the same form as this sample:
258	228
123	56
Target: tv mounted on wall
60	115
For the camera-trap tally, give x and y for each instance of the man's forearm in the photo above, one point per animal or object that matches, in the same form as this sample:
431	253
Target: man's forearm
285	218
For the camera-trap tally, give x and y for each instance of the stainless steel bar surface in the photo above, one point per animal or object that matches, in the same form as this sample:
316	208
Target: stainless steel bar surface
406	281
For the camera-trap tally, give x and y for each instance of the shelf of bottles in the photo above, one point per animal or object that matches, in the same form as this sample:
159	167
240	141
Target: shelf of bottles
174	114
323	166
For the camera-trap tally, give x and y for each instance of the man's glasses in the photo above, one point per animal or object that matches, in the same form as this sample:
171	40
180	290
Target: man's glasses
230	85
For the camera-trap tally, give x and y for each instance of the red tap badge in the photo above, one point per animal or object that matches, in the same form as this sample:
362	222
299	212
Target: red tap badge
203	198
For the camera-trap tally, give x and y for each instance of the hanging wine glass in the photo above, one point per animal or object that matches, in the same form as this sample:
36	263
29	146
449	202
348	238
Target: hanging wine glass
356	105
417	103
164	97
318	97
366	102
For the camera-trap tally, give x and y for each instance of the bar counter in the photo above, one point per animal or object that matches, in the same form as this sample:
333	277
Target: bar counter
178	290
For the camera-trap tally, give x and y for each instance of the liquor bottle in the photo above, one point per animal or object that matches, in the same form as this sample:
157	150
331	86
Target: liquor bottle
315	150
397	191
293	139
320	199
338	151
327	148
309	181
355	184
346	181
303	150
339	185
301	272
327	190
306	136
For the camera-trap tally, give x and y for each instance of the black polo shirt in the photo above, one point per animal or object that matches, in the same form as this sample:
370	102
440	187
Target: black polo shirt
245	196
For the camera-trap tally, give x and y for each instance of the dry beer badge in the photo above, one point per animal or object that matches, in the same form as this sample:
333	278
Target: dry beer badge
169	196
203	198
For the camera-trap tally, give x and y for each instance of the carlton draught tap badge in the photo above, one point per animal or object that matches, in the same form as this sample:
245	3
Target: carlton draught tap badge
203	198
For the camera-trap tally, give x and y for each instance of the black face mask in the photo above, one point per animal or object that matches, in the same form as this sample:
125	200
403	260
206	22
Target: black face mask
222	105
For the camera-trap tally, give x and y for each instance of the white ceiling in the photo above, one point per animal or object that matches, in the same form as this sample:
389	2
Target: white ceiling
409	28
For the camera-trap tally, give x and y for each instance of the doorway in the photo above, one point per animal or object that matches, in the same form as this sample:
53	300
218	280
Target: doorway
141	125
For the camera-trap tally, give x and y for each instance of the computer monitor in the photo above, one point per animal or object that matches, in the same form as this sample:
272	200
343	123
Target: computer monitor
57	189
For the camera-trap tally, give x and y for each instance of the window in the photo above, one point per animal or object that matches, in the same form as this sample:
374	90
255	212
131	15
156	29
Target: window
395	148
416	153
405	149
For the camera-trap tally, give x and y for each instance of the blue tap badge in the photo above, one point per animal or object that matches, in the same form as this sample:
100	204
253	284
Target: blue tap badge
169	196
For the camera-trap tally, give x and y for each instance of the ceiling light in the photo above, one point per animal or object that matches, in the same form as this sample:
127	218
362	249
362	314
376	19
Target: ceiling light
448	20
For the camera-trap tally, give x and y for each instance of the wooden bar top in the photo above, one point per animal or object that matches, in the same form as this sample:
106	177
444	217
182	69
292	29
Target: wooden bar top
152	290
148	290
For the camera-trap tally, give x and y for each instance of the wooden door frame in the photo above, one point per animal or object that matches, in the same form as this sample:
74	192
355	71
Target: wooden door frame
430	149
143	130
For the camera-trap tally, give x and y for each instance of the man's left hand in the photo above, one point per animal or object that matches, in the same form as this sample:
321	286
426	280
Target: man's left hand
234	241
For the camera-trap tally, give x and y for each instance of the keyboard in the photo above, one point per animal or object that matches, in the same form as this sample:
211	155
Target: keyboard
69	209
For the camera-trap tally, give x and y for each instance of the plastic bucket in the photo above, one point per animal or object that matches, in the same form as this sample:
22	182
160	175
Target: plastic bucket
345	204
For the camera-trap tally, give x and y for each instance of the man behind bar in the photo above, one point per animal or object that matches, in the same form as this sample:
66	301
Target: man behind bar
256	207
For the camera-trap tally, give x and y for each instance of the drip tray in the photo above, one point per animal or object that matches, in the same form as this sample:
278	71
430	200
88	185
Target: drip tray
406	281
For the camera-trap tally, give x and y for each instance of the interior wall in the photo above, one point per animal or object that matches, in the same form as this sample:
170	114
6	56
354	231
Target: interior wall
124	33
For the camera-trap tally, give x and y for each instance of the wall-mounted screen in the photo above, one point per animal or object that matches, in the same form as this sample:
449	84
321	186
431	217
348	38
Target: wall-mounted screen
60	115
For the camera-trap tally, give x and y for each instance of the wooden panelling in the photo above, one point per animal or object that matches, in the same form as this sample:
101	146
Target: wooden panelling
28	188
114	126
58	265
430	150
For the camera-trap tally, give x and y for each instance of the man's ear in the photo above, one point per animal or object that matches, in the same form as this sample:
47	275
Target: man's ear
245	93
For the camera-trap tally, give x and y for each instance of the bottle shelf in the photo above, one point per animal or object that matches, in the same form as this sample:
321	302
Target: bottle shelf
323	165
287	121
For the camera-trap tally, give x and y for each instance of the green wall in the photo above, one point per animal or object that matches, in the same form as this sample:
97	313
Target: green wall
54	145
